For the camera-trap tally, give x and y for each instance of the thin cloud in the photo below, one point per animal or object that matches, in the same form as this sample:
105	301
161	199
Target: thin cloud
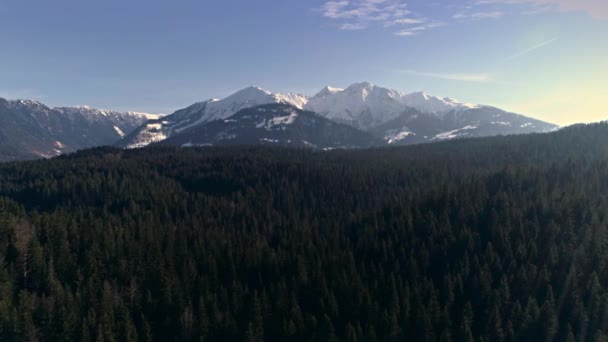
352	27
537	9
464	16
334	9
487	15
411	31
365	10
463	77
405	33
531	49
360	14
408	21
595	8
414	30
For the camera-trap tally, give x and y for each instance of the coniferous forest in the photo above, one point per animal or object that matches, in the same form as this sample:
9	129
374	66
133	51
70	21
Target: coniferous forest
493	239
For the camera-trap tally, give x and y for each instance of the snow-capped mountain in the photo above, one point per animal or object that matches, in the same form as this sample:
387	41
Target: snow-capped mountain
366	106
413	126
361	105
396	117
121	121
360	96
275	124
401	118
30	129
433	104
207	111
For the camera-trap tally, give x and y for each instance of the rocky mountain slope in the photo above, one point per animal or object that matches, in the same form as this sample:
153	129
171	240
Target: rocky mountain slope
206	111
417	117
393	116
275	124
29	129
344	118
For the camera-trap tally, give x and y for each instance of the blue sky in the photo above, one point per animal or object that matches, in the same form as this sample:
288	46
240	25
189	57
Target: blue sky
544	58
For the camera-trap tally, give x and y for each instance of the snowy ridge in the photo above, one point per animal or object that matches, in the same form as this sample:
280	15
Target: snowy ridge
94	113
361	105
365	105
280	124
34	130
207	111
245	98
433	104
396	117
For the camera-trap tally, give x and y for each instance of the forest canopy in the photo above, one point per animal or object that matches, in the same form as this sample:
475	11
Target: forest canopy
492	239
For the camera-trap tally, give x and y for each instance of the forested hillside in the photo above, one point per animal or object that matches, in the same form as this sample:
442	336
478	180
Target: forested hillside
493	239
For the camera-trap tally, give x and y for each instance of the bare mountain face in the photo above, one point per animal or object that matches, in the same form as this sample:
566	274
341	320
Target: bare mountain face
29	129
394	117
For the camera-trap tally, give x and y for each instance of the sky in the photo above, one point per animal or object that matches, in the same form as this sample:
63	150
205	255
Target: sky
544	58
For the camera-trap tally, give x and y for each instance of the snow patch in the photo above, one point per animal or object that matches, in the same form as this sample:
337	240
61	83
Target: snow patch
454	134
119	131
150	134
269	140
396	135
285	120
278	122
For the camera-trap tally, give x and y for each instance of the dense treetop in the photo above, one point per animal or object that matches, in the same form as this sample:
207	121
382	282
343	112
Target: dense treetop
492	239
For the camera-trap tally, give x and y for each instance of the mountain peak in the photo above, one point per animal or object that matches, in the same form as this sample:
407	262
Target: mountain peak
361	105
328	90
85	107
361	85
26	102
253	90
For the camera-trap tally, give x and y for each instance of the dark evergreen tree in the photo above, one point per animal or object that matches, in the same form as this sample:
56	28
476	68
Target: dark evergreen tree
444	242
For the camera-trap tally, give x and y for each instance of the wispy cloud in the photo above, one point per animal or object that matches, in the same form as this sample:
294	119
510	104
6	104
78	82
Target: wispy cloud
464	16
352	27
408	21
405	33
464	77
396	15
365	10
595	8
410	31
531	49
414	30
487	15
361	14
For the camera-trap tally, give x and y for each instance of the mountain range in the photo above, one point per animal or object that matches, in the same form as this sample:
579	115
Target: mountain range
275	124
386	114
30	130
358	116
